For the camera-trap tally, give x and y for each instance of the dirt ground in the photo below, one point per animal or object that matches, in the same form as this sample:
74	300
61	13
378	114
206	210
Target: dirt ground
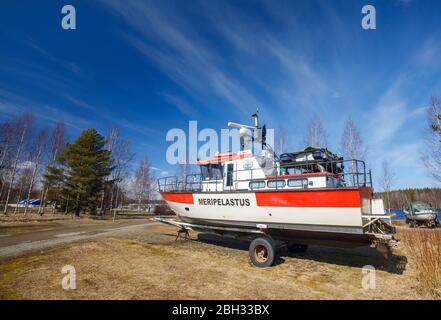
152	265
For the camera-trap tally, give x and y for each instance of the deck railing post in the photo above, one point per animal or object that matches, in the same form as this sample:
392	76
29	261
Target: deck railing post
364	173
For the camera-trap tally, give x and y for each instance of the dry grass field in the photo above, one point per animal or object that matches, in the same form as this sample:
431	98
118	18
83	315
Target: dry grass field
155	266
12	219
423	247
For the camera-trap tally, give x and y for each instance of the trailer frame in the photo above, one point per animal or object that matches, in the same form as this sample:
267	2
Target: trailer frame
261	237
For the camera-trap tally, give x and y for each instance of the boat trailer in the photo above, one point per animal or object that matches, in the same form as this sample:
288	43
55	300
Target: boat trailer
263	248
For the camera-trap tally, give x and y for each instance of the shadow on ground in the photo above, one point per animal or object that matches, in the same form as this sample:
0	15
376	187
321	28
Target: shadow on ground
351	257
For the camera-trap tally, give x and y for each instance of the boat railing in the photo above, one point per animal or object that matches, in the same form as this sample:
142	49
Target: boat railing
342	173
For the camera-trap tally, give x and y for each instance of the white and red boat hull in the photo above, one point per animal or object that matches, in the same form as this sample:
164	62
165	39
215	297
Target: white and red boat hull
311	212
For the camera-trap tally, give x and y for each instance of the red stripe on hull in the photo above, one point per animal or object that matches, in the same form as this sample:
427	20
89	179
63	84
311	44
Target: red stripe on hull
329	198
178	197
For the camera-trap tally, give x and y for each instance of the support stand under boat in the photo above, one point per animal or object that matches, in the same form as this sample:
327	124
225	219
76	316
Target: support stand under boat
183	234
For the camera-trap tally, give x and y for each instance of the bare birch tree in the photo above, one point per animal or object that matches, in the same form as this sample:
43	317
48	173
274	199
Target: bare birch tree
6	137
432	151
37	150
111	141
316	135
387	180
21	129
352	147
58	141
144	185
121	159
182	172
280	143
23	178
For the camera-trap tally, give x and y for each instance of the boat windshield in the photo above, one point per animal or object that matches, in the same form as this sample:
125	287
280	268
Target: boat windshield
420	206
211	172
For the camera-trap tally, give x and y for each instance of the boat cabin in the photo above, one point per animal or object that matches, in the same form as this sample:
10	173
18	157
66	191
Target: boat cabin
244	171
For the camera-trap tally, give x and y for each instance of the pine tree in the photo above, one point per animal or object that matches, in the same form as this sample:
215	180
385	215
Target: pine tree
88	165
56	181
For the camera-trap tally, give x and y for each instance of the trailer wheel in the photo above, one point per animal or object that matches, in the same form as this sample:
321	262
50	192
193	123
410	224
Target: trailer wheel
262	252
297	248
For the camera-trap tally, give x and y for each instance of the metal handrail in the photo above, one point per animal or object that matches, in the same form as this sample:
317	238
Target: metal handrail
355	177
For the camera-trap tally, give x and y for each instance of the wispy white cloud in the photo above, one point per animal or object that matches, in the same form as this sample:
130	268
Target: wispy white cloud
56	114
14	104
406	155
10	108
189	67
41	77
428	53
173	45
419	111
254	67
185	108
131	125
405	2
386	119
81	103
390	113
68	65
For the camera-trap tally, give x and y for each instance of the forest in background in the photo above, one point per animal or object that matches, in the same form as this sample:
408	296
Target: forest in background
398	198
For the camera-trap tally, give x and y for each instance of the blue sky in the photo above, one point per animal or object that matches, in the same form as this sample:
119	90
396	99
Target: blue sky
150	66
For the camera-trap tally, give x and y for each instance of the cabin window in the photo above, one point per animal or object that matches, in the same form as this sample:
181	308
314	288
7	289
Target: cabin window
298	183
276	184
230	168
211	172
257	184
421	206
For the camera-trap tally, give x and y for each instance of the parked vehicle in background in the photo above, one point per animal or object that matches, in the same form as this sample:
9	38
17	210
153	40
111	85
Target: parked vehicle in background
419	213
32	203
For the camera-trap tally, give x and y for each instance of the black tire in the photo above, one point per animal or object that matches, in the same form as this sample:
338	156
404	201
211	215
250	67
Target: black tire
297	248
262	252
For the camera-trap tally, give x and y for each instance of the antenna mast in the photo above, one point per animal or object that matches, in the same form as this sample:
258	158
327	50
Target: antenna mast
256	118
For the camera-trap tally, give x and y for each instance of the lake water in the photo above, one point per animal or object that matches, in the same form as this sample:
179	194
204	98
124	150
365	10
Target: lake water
399	215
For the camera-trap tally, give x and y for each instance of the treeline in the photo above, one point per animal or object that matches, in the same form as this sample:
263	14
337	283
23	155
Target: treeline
92	172
399	198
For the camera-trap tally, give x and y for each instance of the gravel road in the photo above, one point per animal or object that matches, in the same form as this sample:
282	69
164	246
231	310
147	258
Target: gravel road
16	241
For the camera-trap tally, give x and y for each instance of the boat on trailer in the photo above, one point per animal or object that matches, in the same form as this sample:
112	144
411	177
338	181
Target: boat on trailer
303	198
419	213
